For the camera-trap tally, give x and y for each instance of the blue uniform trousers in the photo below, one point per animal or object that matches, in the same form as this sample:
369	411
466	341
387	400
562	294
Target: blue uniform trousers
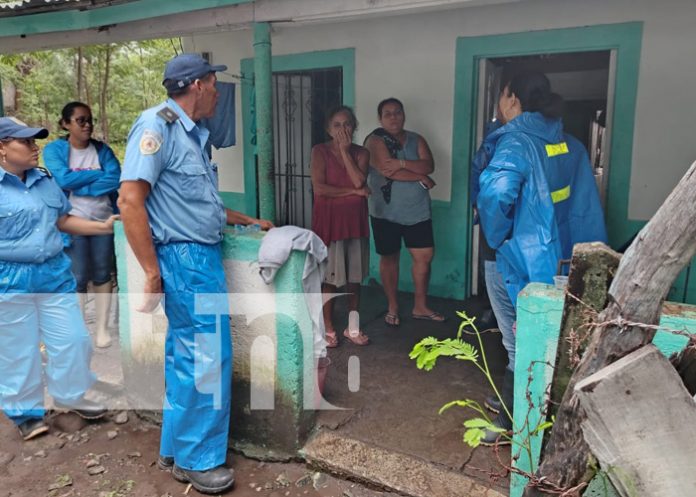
198	356
38	304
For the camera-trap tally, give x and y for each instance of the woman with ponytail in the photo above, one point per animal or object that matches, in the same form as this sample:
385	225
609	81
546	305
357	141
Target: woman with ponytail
537	199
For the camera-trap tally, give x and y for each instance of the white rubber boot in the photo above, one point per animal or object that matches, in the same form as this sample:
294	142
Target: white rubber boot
102	305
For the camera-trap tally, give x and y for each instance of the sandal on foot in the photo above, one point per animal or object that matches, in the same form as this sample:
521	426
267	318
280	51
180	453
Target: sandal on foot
331	339
434	316
392	319
358	338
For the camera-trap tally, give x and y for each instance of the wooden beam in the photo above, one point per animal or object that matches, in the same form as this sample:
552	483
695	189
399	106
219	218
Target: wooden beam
641	425
645	274
592	270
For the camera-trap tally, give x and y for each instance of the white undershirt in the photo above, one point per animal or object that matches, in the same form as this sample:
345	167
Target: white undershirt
95	208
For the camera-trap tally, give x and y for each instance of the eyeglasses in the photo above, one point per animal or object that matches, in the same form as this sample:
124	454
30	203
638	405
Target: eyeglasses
83	121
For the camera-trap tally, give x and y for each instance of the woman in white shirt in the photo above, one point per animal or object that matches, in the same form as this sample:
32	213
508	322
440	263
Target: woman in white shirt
88	172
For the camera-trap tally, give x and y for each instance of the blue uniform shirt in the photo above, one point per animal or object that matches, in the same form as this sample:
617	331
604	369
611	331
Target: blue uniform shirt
28	214
183	204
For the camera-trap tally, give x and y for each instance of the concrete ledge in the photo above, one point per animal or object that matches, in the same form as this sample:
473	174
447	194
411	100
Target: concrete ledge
401	473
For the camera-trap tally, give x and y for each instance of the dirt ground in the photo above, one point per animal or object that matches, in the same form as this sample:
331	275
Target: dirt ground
105	459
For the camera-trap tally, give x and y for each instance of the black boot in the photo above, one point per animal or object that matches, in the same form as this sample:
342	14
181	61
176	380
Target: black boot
210	481
503	421
492	402
32	428
84	408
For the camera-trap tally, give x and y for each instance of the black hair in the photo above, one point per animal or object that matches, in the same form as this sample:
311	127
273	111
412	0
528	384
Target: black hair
337	110
533	89
68	111
390	100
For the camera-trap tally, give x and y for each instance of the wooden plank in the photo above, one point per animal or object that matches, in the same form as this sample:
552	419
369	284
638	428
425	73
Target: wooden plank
645	274
592	269
641	425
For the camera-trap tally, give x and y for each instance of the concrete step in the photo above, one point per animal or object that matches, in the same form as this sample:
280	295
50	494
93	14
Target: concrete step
357	460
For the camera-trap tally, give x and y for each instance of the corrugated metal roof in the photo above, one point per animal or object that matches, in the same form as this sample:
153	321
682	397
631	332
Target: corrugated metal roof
26	7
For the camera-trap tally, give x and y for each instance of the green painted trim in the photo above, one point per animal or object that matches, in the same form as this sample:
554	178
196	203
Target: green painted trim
344	58
624	38
74	19
124	333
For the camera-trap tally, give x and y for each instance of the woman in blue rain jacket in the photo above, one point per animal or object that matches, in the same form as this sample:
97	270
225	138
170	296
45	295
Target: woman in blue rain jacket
538	195
537	199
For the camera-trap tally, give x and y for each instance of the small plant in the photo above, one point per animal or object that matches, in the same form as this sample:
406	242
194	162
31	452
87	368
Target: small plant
427	351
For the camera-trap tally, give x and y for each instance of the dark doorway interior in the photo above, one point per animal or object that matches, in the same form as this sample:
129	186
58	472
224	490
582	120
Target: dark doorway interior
301	100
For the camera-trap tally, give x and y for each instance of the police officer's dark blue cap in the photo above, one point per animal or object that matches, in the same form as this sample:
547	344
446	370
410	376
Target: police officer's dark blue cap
185	68
11	127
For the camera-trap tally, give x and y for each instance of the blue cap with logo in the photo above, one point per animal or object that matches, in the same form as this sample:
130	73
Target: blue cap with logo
185	68
11	127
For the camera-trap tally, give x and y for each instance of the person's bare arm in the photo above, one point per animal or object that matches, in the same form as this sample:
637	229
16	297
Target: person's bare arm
424	165
79	226
136	223
388	167
236	217
318	170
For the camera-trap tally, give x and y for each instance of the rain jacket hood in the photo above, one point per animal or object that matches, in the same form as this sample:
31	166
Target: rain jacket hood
537	199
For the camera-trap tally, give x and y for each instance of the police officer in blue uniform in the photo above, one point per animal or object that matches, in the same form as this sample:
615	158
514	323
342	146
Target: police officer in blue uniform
174	220
38	302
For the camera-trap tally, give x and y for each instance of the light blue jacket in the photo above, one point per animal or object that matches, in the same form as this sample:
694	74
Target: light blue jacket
84	183
537	199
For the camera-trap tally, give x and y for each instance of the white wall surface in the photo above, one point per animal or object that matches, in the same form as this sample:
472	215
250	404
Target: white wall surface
412	57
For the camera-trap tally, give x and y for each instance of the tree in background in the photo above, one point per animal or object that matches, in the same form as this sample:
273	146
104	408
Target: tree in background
118	81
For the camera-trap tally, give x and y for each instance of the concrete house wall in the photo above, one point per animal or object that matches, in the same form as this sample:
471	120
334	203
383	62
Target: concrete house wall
412	57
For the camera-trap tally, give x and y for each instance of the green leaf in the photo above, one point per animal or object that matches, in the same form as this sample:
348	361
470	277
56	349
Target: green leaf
459	403
473	436
477	423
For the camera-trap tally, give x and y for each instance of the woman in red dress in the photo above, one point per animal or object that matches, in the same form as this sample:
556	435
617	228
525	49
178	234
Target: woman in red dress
340	216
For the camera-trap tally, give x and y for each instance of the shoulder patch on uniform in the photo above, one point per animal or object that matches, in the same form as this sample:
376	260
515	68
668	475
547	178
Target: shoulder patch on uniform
168	115
45	171
150	142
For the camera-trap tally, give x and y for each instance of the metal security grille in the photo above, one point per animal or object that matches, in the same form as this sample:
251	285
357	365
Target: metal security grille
301	100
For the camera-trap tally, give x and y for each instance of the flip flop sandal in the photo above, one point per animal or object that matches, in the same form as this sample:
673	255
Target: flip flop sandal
392	319
435	316
357	338
331	340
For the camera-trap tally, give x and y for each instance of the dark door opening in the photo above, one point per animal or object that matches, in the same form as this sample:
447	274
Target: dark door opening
300	102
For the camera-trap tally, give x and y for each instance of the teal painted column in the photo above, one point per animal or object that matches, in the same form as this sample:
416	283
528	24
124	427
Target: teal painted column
2	102
263	82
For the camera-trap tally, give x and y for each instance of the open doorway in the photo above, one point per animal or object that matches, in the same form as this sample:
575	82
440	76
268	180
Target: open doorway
585	80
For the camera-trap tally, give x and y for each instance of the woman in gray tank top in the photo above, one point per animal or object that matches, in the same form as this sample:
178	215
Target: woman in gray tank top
398	177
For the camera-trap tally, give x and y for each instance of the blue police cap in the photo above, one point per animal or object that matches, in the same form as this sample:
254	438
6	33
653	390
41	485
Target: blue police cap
185	68
11	127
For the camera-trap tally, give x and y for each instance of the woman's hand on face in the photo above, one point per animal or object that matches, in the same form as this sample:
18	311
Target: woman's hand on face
343	139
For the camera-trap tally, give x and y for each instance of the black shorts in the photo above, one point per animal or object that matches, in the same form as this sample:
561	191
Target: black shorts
388	235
